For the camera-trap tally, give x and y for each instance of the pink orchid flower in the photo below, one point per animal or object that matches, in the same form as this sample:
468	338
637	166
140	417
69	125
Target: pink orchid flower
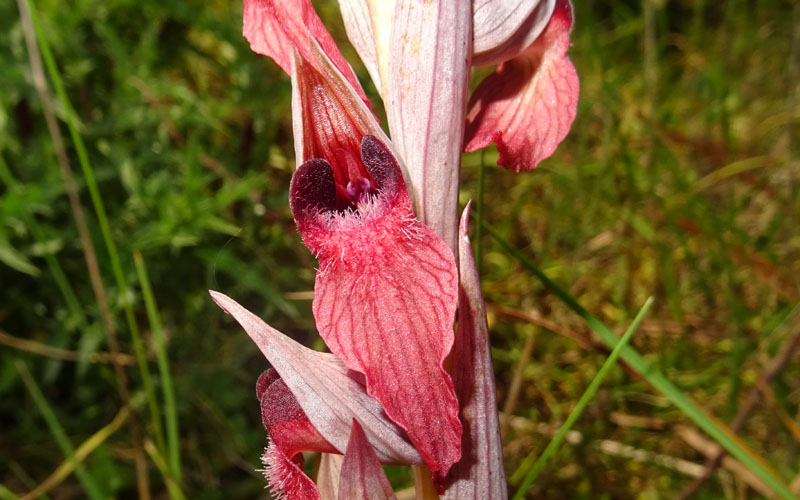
381	216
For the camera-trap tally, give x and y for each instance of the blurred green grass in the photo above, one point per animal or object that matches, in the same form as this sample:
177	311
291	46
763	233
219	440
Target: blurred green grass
679	179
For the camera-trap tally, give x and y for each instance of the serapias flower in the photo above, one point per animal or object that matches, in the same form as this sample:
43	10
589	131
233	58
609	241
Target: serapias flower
386	290
387	286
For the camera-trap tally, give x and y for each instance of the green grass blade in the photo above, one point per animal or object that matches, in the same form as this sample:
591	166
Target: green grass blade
89	484
655	378
173	488
102	218
159	343
587	396
6	494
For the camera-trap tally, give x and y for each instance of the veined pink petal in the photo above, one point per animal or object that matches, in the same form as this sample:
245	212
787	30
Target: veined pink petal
329	394
290	432
385	296
362	476
273	27
328	118
504	28
527	106
327	115
431	48
479	475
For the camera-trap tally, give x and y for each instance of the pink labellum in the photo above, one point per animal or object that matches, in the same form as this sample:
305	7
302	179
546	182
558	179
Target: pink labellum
330	395
290	432
479	475
504	28
527	106
385	293
273	27
362	477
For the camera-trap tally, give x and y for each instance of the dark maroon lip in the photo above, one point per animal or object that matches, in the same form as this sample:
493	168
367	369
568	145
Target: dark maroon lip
345	182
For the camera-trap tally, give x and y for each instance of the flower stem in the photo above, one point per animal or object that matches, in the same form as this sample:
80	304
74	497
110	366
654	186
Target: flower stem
423	483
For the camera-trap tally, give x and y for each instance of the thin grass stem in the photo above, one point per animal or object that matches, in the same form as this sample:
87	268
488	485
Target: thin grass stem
584	400
105	228
172	487
159	343
86	479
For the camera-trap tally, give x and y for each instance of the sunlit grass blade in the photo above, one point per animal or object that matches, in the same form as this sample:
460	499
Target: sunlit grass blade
102	218
159	343
587	396
6	494
731	443
173	488
86	448
92	489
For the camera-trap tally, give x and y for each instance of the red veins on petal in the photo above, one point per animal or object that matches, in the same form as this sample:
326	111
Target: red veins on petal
385	296
331	123
290	432
273	26
528	104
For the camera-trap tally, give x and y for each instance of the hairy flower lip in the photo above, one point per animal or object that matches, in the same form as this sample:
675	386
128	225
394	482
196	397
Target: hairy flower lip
385	297
315	193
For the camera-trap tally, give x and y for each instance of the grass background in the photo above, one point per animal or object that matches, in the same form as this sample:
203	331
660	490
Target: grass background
679	180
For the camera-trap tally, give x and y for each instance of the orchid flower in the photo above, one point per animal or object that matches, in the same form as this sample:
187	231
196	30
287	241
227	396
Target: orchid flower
381	216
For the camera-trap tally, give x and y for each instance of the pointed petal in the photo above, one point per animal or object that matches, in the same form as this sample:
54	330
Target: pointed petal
527	106
479	475
384	302
328	393
273	27
368	24
430	48
330	468
504	28
362	476
327	113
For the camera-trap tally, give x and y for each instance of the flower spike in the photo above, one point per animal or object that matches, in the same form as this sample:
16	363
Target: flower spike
386	289
385	295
